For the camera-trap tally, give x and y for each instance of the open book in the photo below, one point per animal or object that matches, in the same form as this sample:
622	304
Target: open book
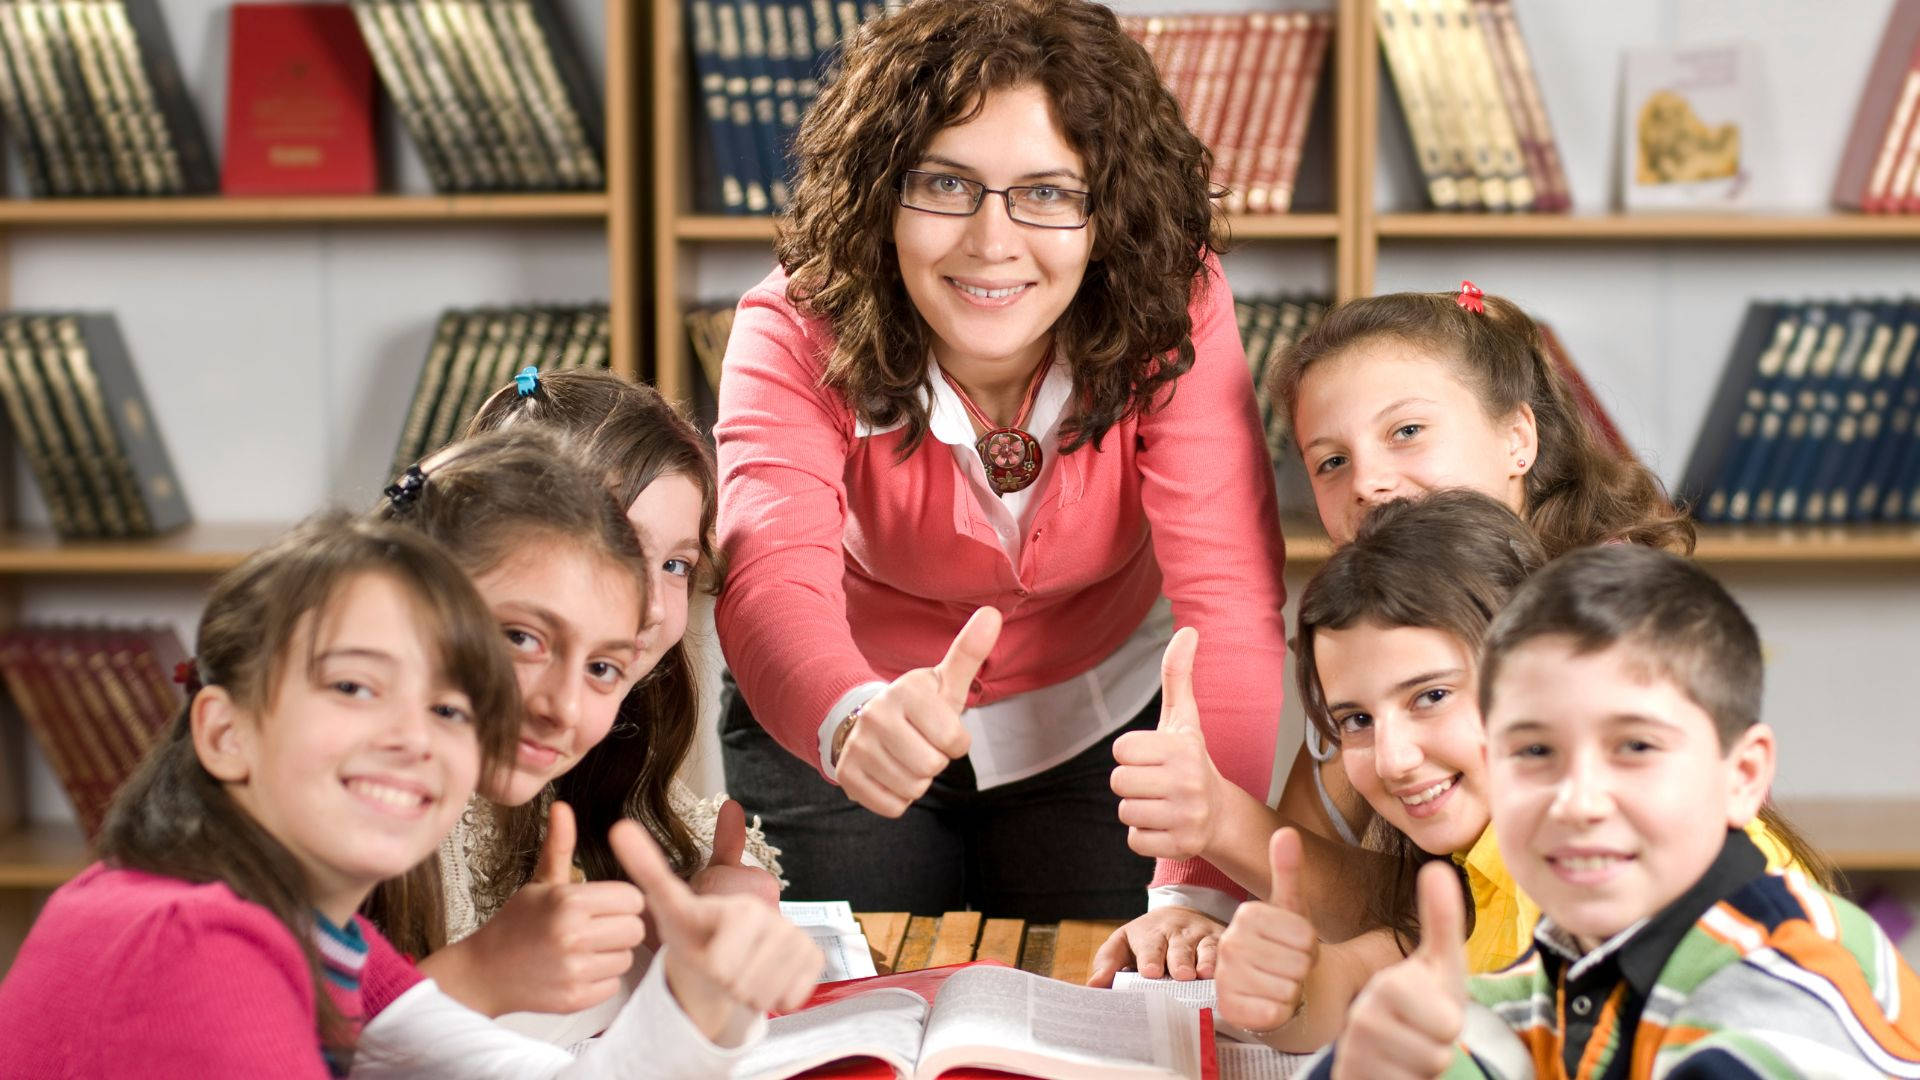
986	1015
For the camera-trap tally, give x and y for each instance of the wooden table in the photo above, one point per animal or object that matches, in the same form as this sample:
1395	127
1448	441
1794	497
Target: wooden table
1063	950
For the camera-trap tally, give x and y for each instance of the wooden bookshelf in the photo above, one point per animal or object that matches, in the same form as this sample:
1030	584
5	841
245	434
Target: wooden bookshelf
1870	547
312	210
1652	227
196	549
41	856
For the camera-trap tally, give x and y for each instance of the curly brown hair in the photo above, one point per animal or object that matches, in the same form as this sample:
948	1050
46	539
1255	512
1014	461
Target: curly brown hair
902	79
1579	491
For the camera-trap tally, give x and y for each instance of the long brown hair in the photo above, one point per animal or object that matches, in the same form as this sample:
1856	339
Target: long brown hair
174	818
628	433
1579	491
1447	562
486	499
1675	617
902	79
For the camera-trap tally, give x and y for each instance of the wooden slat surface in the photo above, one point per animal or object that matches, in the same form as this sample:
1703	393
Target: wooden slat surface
1000	940
1073	949
885	931
1037	956
917	949
953	942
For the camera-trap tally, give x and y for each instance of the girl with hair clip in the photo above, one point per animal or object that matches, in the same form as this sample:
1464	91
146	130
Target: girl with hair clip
661	470
1392	397
355	689
498	920
1388	646
991	406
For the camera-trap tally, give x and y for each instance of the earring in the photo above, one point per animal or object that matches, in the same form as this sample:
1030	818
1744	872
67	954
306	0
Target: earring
1520	463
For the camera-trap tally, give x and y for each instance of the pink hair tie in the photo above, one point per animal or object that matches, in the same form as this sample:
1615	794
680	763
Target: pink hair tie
1470	297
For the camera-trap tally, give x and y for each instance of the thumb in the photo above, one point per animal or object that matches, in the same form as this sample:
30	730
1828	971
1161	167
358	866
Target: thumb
1283	860
556	852
729	835
964	657
675	908
1443	923
1178	709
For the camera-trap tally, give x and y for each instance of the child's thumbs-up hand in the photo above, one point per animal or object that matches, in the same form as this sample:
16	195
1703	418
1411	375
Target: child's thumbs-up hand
1169	789
556	946
726	873
1405	1024
1269	947
721	952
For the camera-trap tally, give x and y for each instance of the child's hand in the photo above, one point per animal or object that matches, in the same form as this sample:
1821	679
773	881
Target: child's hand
722	952
1269	948
557	946
911	731
725	874
1169	789
1404	1025
1177	941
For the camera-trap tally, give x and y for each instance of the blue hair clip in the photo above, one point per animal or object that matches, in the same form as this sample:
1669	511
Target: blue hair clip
527	380
402	492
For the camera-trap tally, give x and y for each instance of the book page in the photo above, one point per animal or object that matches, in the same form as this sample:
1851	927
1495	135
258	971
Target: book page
885	1024
1010	1018
1250	1061
831	925
1198	993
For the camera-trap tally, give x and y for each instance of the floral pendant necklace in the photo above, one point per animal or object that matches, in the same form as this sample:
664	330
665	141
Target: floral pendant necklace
1010	454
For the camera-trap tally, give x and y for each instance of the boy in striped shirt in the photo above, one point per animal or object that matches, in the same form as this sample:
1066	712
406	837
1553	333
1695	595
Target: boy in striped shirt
1621	690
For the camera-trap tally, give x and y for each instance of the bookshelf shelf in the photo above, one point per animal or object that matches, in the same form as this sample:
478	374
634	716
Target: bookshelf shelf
1652	228
425	209
41	856
196	549
1838	546
724	228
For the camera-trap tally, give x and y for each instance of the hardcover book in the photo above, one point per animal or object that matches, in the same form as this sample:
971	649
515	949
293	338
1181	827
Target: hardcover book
1695	128
299	103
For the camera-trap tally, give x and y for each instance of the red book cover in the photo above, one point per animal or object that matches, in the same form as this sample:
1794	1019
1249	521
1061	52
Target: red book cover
299	103
1280	185
1293	29
1245	78
1583	395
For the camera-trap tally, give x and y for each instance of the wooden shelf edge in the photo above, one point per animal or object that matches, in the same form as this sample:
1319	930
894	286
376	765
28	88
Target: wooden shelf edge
1651	227
741	227
744	228
303	210
1808	546
1860	834
41	856
197	549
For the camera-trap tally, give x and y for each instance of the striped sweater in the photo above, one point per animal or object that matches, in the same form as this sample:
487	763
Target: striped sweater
1750	974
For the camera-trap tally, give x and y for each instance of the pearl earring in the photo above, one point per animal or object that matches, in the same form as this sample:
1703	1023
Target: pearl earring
1520	463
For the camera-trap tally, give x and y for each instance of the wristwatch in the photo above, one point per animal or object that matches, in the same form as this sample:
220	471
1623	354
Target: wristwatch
844	732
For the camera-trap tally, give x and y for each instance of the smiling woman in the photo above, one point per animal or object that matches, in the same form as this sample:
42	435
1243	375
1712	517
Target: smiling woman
998	368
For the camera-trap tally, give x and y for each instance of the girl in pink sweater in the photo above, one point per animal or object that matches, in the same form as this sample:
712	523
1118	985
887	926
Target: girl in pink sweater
997	369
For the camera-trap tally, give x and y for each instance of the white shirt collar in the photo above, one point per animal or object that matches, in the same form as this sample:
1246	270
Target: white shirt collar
947	418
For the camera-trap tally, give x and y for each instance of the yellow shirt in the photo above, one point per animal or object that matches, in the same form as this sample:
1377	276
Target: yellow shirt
1503	916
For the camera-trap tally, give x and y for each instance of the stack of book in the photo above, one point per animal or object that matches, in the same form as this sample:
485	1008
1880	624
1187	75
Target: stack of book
93	99
1814	419
475	353
493	95
79	413
707	327
1269	325
96	699
1880	167
757	65
1473	108
1246	84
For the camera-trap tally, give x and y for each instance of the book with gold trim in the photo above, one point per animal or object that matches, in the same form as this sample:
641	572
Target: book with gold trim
1417	106
105	122
407	87
93	466
73	106
27	433
427	391
46	430
573	99
445	100
543	135
447	421
473	35
102	367
39	93
152	177
15	115
140	32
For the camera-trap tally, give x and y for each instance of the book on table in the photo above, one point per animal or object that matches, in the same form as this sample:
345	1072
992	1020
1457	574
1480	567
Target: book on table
983	1016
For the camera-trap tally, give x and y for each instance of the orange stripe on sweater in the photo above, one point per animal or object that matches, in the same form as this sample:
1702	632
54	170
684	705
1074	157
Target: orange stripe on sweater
1799	942
1604	1029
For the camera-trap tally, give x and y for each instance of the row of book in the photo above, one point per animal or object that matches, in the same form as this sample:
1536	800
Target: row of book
1880	167
95	698
493	93
477	351
1246	84
757	65
1467	89
1814	418
79	414
93	99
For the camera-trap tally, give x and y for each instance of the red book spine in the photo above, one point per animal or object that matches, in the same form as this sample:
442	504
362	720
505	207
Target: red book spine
299	103
1183	60
1319	33
1294	29
1583	395
1230	155
1554	195
1881	196
1224	36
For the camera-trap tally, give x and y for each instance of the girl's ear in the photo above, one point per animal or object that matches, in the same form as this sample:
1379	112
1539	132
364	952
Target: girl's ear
1749	763
221	738
1523	439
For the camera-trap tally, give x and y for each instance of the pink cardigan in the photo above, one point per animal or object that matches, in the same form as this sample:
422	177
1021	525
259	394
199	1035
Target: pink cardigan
847	565
131	974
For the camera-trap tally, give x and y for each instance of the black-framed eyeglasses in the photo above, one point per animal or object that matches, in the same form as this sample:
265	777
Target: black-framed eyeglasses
1044	206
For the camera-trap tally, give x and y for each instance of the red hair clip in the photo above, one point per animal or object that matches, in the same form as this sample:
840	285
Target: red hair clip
187	674
1470	297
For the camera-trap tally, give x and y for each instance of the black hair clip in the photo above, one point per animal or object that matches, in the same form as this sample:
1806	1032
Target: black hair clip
402	492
